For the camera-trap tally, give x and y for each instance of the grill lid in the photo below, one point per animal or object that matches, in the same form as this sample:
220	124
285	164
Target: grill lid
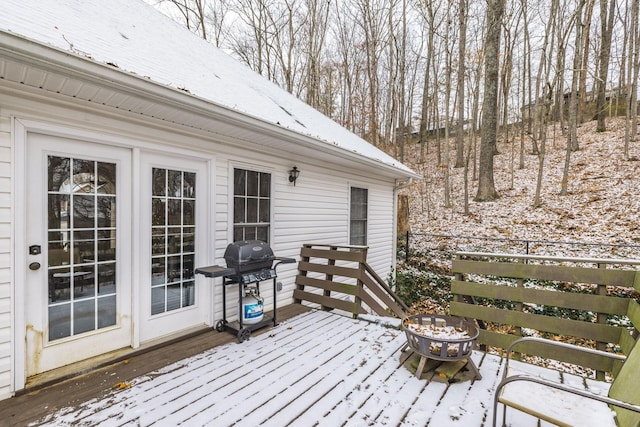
248	255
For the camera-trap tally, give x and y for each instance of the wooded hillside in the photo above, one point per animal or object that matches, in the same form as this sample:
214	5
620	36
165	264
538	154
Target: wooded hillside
386	68
602	204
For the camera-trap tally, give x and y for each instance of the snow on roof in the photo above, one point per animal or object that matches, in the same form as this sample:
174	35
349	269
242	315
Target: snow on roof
138	39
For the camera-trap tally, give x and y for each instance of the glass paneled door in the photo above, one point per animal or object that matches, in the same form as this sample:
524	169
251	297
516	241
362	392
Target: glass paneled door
78	217
174	201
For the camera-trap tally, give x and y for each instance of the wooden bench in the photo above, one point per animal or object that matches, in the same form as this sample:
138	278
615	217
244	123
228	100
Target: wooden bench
508	295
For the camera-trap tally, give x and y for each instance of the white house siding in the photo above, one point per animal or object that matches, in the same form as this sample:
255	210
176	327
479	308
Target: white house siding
380	228
5	257
315	210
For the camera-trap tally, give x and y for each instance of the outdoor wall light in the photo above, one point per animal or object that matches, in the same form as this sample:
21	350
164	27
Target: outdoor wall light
293	175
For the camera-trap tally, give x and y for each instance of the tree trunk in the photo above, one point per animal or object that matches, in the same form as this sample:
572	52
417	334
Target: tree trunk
606	28
633	59
462	42
486	187
426	107
582	87
447	113
572	141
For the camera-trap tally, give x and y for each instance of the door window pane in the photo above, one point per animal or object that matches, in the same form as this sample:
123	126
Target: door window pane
106	311
82	245
59	172
84	316
59	321
172	239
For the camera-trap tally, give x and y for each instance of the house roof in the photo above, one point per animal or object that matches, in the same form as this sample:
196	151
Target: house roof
130	46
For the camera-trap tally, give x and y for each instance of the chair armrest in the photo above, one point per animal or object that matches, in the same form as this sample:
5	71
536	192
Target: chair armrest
605	399
544	341
552	384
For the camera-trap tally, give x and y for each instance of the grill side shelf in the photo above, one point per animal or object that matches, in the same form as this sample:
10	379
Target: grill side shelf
215	271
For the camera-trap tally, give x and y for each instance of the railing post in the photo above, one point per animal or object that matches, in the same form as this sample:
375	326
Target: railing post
359	285
406	249
520	284
302	272
602	318
329	277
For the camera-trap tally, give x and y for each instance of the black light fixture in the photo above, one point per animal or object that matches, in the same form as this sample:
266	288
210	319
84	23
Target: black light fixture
293	175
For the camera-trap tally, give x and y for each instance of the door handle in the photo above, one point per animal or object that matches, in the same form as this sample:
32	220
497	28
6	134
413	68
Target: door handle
34	266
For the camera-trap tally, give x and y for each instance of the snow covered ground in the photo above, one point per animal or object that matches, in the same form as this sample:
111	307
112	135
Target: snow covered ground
603	204
317	368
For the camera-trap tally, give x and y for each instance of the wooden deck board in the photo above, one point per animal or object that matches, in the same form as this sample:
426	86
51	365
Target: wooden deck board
42	399
317	368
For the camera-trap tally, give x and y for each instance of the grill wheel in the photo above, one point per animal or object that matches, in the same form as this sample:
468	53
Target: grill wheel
244	334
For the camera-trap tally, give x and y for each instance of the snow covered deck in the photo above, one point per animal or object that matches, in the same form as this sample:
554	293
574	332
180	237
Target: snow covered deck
317	368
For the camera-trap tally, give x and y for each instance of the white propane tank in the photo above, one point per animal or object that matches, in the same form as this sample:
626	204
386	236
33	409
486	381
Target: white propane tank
252	308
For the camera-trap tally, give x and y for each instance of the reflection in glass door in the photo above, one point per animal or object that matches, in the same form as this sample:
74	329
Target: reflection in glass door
81	230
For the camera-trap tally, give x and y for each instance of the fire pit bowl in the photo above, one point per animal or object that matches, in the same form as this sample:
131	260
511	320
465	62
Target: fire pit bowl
440	337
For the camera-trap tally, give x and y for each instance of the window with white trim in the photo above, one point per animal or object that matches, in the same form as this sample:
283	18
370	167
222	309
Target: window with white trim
251	205
358	216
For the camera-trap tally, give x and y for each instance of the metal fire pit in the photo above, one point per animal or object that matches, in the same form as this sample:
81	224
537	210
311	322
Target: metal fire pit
440	347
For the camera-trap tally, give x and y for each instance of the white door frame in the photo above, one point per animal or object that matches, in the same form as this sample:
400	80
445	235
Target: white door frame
44	351
171	322
20	130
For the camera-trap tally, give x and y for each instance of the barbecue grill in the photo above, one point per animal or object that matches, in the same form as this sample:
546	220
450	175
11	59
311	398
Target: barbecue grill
249	262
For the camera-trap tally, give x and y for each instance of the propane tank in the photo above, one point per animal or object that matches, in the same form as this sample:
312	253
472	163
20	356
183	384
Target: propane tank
252	307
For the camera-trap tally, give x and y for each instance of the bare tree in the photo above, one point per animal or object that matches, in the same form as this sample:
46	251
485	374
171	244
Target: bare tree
371	20
633	71
486	186
511	30
462	44
572	141
582	84
606	29
563	23
544	95
474	71
526	110
429	16
251	45
283	31
347	54
447	102
316	30
403	106
192	13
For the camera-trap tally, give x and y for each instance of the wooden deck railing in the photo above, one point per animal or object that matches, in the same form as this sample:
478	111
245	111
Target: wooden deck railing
507	292
338	277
